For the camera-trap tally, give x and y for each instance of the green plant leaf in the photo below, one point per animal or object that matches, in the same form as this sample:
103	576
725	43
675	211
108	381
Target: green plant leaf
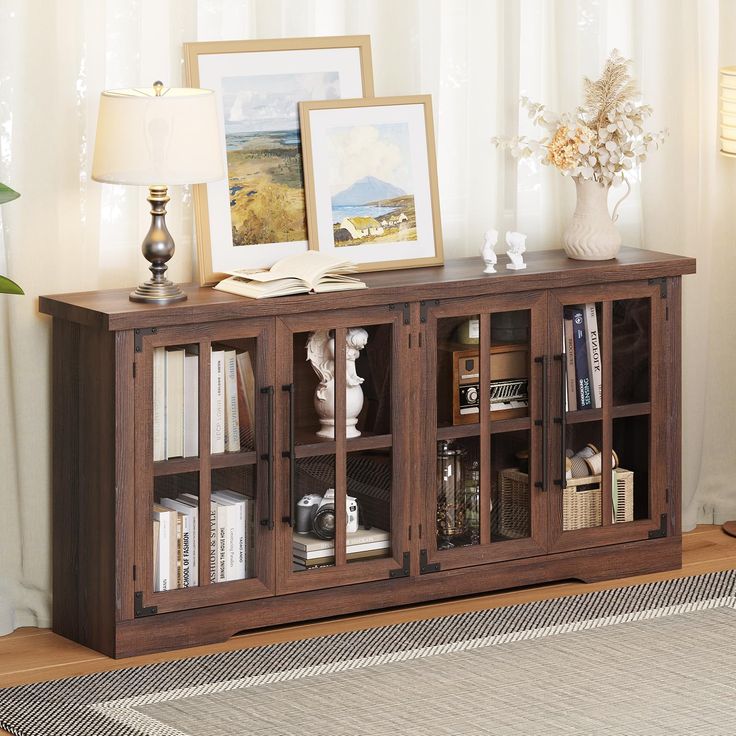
7	194
9	287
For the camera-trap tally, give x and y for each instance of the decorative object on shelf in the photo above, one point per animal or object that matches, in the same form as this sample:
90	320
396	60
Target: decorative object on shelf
488	251
510	327
517	245
595	462
451	509
728	118
468	332
370	178
728	148
315	514
321	355
257	216
471	501
596	145
157	137
6	285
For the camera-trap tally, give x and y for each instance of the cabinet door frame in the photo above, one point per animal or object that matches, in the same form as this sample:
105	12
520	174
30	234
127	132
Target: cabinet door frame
206	593
659	431
342	573
486	551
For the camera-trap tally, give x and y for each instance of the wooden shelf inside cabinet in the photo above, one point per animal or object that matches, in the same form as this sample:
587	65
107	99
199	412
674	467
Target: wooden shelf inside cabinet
354	444
176	465
618	412
473	430
232	459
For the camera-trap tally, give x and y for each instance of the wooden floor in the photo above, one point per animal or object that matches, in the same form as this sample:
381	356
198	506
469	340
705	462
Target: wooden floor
33	655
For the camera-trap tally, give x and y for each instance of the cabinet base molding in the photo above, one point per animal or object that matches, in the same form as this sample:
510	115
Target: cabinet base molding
218	623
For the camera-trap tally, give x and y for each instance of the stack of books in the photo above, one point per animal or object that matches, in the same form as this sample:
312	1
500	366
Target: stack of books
176	539
582	349
176	401
309	551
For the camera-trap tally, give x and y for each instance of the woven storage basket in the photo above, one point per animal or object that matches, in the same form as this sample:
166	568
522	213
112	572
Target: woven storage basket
581	502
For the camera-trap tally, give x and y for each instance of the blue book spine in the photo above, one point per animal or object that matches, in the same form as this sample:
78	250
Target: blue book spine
582	370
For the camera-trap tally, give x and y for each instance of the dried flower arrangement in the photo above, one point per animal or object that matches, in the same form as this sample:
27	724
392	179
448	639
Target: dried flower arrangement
603	139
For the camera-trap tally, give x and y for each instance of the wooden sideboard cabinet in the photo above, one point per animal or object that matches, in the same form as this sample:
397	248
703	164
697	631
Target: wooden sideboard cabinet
453	500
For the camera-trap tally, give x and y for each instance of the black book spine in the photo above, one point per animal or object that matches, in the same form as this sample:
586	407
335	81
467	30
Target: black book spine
582	371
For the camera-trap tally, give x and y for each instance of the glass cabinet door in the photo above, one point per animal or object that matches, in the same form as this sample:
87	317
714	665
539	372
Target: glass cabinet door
205	466
342	505
482	391
605	453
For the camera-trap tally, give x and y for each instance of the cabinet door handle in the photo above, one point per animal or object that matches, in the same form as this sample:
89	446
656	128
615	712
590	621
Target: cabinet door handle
562	420
268	457
289	518
543	484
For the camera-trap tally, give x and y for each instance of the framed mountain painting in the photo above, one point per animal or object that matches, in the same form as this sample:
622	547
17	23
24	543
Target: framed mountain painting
370	178
257	216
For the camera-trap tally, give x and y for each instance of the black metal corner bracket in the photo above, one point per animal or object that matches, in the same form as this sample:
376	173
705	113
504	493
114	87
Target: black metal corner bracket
404	307
662	531
423	306
140	609
404	571
662	283
424	566
140	333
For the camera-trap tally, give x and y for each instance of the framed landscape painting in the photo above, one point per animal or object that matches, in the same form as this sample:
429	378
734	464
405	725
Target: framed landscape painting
257	216
370	175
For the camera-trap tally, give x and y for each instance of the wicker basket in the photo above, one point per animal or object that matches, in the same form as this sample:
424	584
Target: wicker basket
581	502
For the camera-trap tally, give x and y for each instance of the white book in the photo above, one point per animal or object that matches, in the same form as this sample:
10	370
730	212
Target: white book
190	540
220	519
191	405
593	340
309	542
217	401
232	421
237	532
167	543
175	403
159	404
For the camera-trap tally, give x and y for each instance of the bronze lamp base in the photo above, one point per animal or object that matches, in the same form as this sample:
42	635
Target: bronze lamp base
158	248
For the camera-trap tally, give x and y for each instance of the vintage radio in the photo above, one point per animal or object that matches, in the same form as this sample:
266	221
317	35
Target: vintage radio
458	376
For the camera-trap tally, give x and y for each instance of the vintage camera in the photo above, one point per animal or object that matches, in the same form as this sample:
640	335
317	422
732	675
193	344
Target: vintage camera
316	514
468	397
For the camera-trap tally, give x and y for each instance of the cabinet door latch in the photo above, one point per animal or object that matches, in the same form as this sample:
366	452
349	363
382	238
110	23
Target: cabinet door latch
662	531
141	610
425	566
404	571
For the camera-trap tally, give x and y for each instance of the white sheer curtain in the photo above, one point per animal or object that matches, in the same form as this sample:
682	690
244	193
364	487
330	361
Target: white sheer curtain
475	57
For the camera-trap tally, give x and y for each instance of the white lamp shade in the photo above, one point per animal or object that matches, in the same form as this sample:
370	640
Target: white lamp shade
147	139
727	101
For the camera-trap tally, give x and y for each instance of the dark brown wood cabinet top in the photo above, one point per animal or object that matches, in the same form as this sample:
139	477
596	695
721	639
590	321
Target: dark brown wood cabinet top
461	277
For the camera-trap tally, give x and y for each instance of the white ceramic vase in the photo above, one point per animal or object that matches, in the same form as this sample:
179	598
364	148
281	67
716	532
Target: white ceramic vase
592	235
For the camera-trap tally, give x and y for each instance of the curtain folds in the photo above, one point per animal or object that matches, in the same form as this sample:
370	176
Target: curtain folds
67	233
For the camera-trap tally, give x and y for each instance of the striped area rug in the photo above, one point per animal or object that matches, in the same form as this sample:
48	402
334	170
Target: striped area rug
642	660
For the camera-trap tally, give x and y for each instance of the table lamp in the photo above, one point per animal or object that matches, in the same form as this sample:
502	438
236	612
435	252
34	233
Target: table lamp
728	148
157	137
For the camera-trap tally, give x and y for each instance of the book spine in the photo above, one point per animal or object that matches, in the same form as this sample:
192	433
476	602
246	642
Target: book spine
191	405
194	548
221	543
231	543
582	375
174	403
572	399
159	404
594	355
175	549
217	403
213	543
186	550
232	423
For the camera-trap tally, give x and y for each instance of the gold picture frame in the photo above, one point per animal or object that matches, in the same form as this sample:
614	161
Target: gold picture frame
214	203
386	232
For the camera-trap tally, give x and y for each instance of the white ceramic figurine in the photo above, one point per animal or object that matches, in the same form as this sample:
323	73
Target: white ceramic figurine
487	251
517	245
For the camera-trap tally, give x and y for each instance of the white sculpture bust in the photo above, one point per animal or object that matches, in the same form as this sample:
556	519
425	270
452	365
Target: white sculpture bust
321	354
488	251
517	245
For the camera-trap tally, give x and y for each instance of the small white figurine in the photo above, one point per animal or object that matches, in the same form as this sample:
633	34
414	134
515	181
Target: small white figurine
487	251
517	245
